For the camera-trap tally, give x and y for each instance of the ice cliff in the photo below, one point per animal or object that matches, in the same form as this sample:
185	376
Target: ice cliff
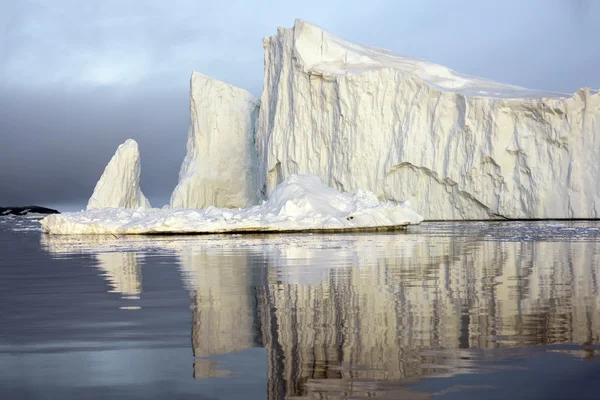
119	185
458	147
220	167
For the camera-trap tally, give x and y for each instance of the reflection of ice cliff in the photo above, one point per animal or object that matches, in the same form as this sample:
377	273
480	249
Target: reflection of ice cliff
371	323
222	301
383	308
348	315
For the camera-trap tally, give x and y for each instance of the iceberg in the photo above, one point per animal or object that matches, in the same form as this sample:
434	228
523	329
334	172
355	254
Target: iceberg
458	147
119	185
347	136
301	203
220	167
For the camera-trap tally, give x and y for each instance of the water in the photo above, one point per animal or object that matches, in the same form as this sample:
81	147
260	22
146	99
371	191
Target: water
443	311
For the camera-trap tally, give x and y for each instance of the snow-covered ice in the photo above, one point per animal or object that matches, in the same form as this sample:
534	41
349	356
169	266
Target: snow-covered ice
302	202
119	185
457	147
220	167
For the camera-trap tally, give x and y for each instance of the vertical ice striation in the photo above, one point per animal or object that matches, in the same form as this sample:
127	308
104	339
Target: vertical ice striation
457	147
119	185
220	166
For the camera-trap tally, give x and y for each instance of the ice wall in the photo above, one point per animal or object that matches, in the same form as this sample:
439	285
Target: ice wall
220	166
457	147
119	185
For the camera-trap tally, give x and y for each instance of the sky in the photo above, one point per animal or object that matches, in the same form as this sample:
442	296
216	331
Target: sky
77	78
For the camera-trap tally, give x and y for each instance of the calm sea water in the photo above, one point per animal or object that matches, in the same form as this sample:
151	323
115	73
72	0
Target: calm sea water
443	310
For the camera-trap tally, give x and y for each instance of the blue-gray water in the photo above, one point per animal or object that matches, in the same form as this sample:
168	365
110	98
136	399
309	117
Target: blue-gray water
443	310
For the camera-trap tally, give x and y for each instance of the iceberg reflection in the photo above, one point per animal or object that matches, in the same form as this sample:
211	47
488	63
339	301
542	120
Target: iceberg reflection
365	314
222	302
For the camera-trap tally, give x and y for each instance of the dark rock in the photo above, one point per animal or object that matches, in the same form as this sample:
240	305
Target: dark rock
26	210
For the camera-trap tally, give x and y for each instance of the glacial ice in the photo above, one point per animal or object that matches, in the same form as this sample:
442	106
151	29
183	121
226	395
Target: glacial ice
119	185
457	147
220	167
302	202
360	118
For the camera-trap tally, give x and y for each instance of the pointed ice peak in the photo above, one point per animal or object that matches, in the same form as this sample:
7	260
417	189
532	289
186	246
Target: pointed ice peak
128	143
119	185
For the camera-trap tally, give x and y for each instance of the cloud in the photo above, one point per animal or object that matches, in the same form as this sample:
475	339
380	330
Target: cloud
99	43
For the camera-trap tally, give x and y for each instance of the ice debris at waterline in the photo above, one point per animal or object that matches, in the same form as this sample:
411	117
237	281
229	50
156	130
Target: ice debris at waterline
119	185
300	203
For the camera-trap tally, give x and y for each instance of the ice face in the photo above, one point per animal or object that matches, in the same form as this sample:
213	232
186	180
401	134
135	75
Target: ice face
219	168
457	147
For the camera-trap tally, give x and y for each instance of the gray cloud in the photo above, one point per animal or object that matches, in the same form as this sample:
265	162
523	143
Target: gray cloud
78	78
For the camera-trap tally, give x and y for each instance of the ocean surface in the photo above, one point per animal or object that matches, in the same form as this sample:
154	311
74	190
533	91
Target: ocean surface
482	310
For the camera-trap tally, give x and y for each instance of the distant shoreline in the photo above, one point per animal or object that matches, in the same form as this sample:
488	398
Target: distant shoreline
4	211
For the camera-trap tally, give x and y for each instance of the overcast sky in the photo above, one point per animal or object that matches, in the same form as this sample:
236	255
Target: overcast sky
77	78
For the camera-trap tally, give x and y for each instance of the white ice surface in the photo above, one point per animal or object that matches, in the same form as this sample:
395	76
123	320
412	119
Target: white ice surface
456	146
219	168
119	185
302	202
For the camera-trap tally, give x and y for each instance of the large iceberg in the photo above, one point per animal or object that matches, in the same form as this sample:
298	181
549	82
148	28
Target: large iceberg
458	147
300	203
366	121
119	185
220	167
